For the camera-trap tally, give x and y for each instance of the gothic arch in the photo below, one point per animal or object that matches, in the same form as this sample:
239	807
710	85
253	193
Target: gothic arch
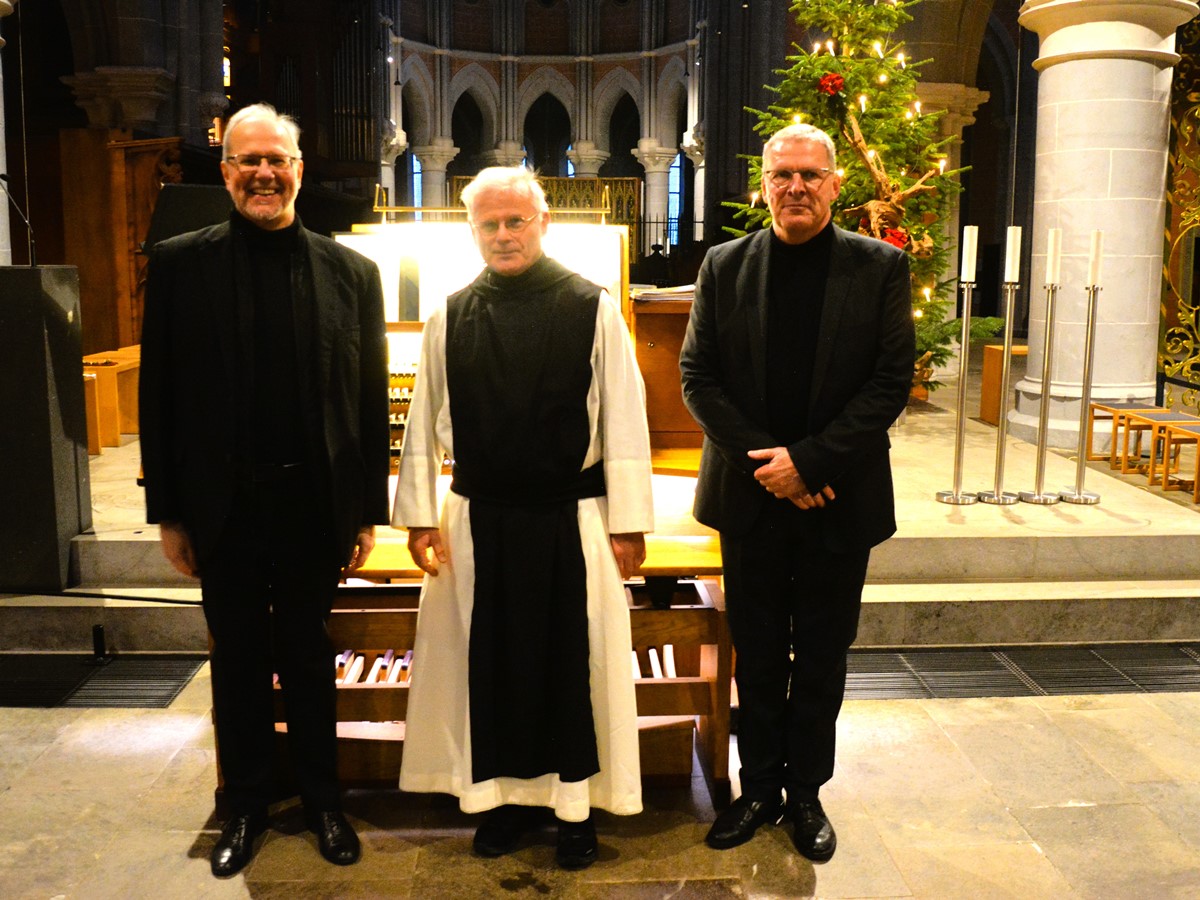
90	28
672	99
545	80
475	80
418	96
608	93
999	44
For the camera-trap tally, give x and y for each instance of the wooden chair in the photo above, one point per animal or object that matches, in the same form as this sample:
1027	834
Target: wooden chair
1135	423
1110	411
1173	437
1178	436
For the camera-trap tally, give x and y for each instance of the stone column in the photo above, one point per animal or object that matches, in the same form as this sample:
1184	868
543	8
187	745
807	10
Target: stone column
656	159
693	139
121	96
1103	113
395	142
586	159
393	148
507	153
6	8
693	146
434	159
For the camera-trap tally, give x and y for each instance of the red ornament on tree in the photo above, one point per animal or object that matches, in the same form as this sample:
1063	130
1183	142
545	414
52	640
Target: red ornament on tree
831	84
897	237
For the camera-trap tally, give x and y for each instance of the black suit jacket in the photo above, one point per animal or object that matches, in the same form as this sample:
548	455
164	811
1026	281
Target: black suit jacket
862	375
189	382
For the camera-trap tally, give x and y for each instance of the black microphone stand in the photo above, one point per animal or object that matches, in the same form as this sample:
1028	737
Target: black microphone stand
24	218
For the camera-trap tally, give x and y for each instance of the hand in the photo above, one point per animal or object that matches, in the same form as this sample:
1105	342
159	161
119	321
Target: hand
779	476
363	545
630	551
177	548
427	550
811	501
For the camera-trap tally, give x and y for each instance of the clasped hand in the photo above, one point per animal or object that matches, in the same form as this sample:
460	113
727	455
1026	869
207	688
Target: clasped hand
779	476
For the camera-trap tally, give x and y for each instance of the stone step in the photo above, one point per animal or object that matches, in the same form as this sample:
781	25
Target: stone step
963	613
133	557
945	613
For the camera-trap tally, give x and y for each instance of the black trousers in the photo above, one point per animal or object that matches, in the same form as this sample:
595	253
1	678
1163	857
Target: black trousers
792	608
267	591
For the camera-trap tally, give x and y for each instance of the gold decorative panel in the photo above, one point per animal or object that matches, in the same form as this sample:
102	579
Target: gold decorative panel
1179	344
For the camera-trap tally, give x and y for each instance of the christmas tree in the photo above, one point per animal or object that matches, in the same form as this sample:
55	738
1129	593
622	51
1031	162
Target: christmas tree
854	81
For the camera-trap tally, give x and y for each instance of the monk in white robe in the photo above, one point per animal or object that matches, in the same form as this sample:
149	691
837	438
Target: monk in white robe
522	695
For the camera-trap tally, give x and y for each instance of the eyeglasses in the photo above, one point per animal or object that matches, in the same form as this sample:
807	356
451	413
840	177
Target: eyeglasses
249	162
513	224
781	178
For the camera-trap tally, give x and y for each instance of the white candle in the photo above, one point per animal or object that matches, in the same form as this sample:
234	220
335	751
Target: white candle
1012	255
1054	256
966	272
1094	259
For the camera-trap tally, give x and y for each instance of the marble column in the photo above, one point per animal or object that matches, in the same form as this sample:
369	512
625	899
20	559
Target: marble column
434	159
6	8
1104	92
656	160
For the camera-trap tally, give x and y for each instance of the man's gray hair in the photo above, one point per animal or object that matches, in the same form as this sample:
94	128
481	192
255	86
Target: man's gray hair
505	178
267	113
802	132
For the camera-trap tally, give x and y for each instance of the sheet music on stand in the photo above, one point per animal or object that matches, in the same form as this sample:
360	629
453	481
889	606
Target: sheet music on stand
650	293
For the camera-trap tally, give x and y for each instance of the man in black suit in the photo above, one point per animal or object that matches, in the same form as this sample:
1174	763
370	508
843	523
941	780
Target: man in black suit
265	454
797	359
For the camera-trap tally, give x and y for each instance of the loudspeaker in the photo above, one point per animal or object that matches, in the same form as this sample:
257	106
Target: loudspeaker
45	492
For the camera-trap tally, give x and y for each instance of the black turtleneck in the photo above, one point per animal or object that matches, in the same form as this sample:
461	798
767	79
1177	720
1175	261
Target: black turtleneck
797	274
276	423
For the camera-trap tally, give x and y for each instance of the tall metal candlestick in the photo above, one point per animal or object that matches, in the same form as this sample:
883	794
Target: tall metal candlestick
956	496
997	496
1079	495
1038	495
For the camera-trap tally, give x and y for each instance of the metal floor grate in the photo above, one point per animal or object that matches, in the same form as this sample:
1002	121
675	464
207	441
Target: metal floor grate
1022	671
48	680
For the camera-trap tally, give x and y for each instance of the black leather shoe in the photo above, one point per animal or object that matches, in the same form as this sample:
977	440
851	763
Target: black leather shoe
577	847
335	837
738	823
502	829
812	833
235	846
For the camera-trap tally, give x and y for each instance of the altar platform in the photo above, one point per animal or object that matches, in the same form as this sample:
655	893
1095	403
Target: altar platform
1122	570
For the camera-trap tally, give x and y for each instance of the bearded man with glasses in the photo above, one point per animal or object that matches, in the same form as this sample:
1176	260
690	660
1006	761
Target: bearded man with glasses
797	359
264	438
522	694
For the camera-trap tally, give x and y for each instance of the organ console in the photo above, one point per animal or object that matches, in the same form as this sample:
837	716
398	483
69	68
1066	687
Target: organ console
683	705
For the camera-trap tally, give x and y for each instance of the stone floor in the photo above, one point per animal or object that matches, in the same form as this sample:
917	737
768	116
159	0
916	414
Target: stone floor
1089	797
1061	797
